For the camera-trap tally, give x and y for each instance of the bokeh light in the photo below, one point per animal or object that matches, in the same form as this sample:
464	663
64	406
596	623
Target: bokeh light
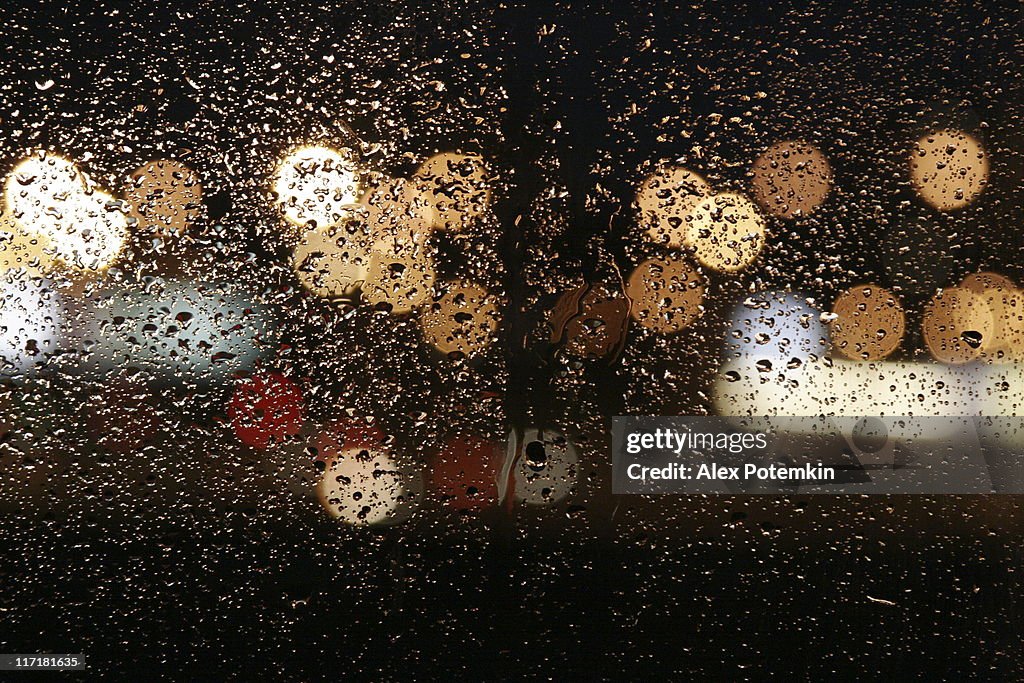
949	169
41	187
98	236
289	263
854	388
176	329
317	185
1010	329
465	472
265	409
667	294
665	198
400	208
332	261
869	323
400	274
31	321
363	488
1004	301
956	324
84	227
24	251
777	363
726	232
769	327
462	320
165	196
458	186
363	484
791	179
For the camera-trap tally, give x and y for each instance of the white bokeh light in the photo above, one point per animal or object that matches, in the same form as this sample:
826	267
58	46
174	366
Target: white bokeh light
48	196
201	332
317	185
30	323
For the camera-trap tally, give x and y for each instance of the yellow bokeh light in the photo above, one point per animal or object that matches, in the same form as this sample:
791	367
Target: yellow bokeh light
791	179
956	324
400	275
22	250
949	169
869	323
165	196
845	388
462	320
1012	329
399	209
667	294
726	232
317	185
665	198
332	261
458	187
1003	299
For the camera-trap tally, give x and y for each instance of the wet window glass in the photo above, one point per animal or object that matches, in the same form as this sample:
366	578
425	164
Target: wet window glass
314	319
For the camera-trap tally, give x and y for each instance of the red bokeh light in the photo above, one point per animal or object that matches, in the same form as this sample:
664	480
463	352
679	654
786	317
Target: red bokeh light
465	473
266	407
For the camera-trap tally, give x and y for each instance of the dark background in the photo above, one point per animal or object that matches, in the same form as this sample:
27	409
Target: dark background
190	561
